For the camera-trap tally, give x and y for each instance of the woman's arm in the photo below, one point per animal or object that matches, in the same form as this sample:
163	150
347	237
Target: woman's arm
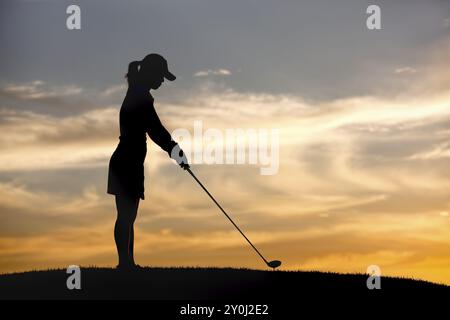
159	134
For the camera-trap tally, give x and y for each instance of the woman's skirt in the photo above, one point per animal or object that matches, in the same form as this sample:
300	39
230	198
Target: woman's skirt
126	170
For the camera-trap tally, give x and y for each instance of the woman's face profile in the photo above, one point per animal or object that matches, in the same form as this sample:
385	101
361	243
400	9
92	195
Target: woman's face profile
152	79
155	82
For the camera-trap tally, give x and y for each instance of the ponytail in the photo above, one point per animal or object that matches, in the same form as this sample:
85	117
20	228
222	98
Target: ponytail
133	71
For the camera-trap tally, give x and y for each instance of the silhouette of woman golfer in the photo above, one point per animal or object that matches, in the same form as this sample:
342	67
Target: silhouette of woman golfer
126	167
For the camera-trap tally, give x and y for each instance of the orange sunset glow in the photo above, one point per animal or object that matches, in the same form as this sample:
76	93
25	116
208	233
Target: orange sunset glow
363	130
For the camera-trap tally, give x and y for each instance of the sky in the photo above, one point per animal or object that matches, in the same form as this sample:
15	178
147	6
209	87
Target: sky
363	119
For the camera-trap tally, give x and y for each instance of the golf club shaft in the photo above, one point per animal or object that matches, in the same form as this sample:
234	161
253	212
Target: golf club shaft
209	194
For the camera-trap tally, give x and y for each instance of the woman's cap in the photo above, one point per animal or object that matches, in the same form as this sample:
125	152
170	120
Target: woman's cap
156	62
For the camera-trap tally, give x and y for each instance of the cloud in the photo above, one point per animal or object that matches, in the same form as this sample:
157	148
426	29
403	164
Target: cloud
337	138
447	22
36	90
439	151
114	90
32	141
217	72
405	70
42	98
58	101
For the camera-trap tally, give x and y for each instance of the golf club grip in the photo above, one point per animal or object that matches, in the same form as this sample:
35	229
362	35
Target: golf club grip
209	194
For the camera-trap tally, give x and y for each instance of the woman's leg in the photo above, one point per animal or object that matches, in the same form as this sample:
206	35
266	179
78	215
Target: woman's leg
126	214
131	243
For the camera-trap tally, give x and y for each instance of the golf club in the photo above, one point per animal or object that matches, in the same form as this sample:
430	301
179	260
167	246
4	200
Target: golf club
272	264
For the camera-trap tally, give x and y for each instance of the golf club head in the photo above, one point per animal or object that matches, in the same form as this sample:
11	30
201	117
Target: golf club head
274	264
